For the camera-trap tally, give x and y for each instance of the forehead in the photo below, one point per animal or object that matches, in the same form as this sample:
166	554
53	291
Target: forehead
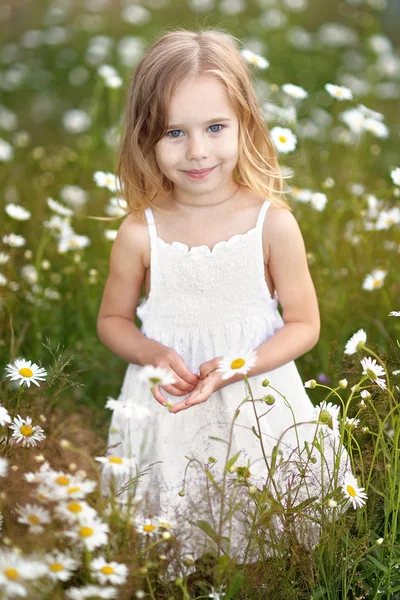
199	99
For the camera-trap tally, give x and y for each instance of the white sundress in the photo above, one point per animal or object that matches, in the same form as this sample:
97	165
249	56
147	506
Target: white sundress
206	303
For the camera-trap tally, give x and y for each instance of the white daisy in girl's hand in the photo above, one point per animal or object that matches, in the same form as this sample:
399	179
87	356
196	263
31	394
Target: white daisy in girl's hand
108	572
33	516
156	375
338	92
394	313
283	139
230	365
60	566
356	342
352	491
373	371
26	371
374	280
24	432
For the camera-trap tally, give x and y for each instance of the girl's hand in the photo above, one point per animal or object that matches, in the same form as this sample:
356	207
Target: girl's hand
209	382
163	356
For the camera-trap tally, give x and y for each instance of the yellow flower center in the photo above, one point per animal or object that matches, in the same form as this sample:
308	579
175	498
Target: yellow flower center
74	490
56	567
351	491
86	531
378	283
237	363
339	92
26	372
26	430
33	519
11	573
62	480
107	570
115	459
282	139
74	507
148	528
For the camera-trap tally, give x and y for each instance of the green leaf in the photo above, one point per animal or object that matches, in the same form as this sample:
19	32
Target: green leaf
378	564
206	527
235	585
212	479
255	432
232	461
217	439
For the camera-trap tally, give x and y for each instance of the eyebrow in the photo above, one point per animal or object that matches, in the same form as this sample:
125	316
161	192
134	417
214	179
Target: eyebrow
217	119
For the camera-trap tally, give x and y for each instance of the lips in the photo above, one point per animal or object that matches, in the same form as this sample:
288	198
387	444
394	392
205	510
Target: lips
200	171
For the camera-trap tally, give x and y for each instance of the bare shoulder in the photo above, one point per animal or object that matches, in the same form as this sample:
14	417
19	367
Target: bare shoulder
132	239
281	229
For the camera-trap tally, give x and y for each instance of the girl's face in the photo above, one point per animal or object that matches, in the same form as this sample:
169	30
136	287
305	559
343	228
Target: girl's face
202	134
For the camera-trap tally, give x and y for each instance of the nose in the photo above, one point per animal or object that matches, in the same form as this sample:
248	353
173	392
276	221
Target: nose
197	147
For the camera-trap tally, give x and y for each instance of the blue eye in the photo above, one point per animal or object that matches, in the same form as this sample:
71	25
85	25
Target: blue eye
177	130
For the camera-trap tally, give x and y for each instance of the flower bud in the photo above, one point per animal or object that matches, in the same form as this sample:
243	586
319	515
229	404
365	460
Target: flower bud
332	503
270	399
188	560
311	383
65	444
265	383
343	383
166	535
379	541
181	493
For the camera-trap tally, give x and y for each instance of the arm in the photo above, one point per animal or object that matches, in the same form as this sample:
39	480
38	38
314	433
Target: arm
289	271
115	324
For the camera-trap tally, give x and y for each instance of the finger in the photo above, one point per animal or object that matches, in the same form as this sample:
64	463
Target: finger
156	391
181	385
175	391
195	398
182	371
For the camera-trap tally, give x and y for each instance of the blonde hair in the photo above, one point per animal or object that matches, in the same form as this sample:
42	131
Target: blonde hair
176	56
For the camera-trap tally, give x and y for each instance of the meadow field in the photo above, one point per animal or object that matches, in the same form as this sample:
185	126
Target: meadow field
328	79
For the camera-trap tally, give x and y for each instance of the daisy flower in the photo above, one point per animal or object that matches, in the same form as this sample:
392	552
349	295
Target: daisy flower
139	411
14	240
17	212
230	365
164	523
3	467
310	384
365	394
61	566
89	592
146	526
338	92
26	371
356	342
107	180
23	431
4	258
327	413
74	510
72	241
217	595
156	375
4	416
15	570
394	313
254	59
110	234
33	516
59	208
283	139
374	280
373	371
91	532
352	422
108	572
295	91
6	151
116	464
64	486
352	491
395	175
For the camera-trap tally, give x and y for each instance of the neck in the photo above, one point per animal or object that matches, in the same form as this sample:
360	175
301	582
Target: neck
200	205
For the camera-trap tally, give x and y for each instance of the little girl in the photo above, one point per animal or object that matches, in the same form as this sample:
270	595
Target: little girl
216	246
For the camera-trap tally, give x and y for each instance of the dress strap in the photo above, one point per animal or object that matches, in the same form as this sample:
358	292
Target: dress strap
261	215
151	225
